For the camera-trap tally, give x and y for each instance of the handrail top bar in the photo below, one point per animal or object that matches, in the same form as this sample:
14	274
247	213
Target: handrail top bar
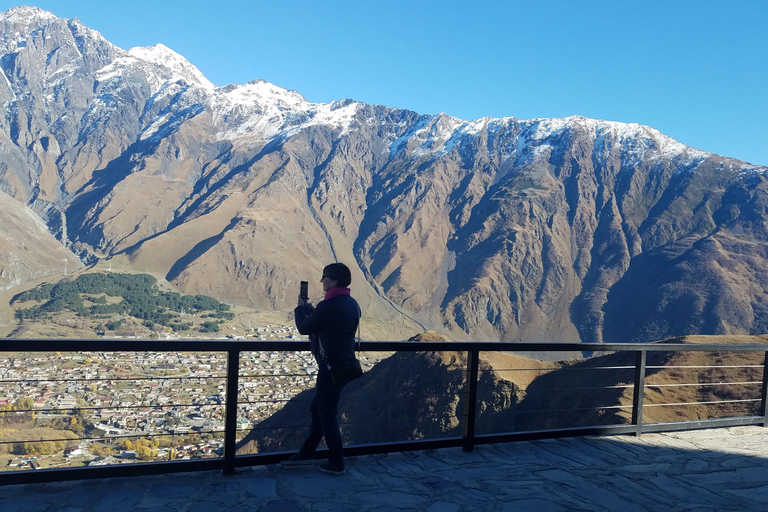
197	345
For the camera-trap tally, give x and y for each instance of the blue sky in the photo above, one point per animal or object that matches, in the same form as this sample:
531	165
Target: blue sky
695	70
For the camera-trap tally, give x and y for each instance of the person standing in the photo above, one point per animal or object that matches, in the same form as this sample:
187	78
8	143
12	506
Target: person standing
331	327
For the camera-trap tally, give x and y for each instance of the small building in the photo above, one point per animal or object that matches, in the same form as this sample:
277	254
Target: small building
121	334
73	451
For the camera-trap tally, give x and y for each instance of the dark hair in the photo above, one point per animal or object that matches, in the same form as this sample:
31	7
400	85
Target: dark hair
340	273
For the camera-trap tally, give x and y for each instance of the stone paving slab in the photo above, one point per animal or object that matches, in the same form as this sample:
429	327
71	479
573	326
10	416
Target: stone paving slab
701	471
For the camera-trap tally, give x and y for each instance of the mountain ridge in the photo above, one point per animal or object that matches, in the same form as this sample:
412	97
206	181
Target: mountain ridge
510	229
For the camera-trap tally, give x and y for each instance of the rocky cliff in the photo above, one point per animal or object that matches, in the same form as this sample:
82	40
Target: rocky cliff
546	229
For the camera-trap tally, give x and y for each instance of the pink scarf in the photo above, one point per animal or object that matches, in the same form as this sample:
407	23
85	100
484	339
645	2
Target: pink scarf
336	292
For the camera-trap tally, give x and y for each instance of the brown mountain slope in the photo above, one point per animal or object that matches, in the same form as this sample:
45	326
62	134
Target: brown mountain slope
598	391
28	251
733	377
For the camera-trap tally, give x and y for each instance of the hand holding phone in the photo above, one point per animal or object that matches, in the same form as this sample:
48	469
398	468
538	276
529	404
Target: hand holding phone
304	291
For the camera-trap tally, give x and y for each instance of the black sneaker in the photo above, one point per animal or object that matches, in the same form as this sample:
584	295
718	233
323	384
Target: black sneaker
297	460
327	467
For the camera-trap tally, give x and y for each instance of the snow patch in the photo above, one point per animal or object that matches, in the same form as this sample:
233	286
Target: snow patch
179	67
264	111
752	169
159	64
27	16
10	87
155	125
396	144
531	144
465	130
638	140
437	135
18	23
537	137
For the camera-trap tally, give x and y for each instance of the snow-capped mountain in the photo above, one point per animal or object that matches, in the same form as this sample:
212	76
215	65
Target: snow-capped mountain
545	229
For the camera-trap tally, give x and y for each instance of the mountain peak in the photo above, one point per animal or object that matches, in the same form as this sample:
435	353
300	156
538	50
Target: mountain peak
161	55
19	22
25	13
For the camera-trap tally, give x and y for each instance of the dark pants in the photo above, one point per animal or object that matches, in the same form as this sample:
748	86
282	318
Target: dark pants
324	410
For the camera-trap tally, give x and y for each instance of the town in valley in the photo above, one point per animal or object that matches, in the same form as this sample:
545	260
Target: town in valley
128	406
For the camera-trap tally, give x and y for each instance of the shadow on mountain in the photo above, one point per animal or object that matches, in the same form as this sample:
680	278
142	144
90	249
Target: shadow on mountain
689	287
422	395
198	250
582	394
100	186
408	396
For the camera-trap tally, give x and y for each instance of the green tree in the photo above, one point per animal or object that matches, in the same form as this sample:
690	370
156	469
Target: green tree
209	327
141	299
114	325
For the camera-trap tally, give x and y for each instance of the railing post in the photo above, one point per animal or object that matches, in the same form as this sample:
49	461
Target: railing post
764	393
639	392
230	411
470	408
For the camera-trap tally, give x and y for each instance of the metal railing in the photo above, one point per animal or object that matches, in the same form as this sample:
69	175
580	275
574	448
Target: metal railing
636	354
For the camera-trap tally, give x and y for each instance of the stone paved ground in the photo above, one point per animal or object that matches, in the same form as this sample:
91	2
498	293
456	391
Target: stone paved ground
705	470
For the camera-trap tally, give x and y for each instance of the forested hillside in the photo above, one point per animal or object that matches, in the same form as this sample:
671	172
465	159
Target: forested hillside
112	296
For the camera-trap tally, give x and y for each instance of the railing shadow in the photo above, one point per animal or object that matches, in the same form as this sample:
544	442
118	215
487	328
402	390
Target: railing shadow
705	471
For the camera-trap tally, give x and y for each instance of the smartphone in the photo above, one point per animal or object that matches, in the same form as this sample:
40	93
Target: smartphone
304	291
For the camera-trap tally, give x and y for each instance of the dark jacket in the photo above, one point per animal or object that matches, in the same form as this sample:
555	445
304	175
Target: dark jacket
335	321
